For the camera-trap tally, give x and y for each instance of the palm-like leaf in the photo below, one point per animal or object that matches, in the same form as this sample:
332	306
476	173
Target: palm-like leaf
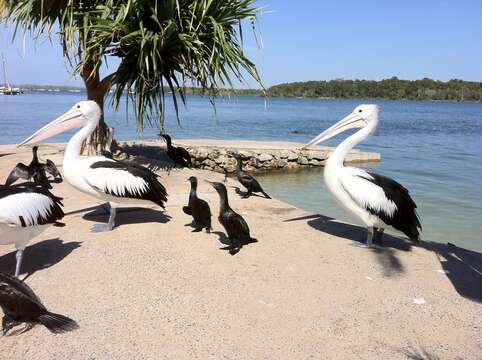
161	44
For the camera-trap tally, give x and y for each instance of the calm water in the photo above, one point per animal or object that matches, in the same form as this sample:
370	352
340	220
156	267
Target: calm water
432	148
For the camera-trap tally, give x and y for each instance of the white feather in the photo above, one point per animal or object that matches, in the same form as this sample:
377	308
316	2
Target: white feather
30	206
365	193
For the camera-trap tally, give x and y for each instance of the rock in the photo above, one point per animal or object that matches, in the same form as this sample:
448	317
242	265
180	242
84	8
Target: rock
302	160
265	157
244	154
279	163
209	163
230	168
254	162
292	156
318	155
220	160
314	162
201	155
249	168
213	155
283	154
219	169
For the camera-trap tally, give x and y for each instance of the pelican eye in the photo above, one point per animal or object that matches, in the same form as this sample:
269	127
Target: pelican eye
78	106
360	110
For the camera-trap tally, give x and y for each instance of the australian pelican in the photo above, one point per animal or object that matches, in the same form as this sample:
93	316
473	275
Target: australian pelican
101	177
376	200
26	211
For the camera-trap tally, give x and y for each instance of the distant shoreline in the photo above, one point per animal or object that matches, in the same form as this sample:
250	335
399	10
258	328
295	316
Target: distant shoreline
254	93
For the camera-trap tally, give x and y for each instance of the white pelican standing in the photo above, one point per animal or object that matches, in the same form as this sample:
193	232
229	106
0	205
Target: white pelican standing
26	211
378	201
103	178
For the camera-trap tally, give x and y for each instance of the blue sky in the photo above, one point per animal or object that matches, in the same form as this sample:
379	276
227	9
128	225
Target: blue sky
322	40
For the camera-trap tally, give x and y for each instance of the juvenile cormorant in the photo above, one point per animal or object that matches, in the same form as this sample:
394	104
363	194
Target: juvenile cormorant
178	154
20	305
233	223
248	181
35	170
198	208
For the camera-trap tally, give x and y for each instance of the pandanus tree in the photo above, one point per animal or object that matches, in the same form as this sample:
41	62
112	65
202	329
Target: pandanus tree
161	46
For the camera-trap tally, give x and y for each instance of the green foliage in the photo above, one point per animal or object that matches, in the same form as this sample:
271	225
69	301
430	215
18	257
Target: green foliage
394	88
161	44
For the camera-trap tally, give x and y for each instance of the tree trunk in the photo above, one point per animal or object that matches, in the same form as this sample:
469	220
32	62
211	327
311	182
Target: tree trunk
96	91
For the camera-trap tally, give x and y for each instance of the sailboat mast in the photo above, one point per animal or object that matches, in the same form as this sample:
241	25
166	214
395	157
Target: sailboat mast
7	86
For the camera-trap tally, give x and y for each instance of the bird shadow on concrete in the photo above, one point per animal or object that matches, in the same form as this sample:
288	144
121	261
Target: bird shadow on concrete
462	267
242	194
153	157
415	354
129	215
222	238
38	256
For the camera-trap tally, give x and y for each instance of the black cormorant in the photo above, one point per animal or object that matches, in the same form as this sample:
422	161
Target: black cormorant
20	305
36	171
233	223
178	154
198	208
248	181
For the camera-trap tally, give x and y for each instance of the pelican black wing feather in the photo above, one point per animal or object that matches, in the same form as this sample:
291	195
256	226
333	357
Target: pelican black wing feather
155	191
405	217
54	212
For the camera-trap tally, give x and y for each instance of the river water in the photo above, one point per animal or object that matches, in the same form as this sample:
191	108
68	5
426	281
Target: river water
432	148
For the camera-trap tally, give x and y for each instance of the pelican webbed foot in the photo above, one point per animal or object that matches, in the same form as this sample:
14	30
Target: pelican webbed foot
101	228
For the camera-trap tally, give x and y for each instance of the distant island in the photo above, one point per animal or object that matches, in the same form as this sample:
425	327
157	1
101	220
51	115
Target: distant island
393	88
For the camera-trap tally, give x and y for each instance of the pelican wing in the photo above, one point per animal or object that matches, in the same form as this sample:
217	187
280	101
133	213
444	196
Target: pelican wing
383	197
126	180
28	206
368	195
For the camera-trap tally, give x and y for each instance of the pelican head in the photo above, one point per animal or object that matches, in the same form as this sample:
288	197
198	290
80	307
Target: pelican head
363	116
80	115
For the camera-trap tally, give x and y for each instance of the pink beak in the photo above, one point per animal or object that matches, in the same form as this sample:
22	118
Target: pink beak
70	120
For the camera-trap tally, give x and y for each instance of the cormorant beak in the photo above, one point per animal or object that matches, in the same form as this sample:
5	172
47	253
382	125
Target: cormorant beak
352	121
71	119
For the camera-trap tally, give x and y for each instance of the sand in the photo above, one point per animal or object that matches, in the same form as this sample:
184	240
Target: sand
151	289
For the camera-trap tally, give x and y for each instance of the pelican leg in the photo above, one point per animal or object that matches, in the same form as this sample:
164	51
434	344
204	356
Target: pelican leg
378	238
110	224
369	241
19	257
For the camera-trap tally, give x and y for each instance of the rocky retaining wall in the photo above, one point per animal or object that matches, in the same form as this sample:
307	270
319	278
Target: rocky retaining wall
217	158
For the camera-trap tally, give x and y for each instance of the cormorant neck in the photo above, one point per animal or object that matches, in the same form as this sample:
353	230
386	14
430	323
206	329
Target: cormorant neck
223	201
239	164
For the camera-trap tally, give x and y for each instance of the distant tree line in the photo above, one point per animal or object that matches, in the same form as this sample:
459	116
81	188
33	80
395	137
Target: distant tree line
393	88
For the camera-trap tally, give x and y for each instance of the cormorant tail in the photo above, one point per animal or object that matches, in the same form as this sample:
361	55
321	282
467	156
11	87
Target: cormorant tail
57	323
267	196
250	241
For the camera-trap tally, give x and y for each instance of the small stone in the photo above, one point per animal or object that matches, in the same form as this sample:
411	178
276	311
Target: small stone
303	160
244	154
209	163
254	162
279	163
318	155
314	162
265	157
292	156
284	154
219	160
